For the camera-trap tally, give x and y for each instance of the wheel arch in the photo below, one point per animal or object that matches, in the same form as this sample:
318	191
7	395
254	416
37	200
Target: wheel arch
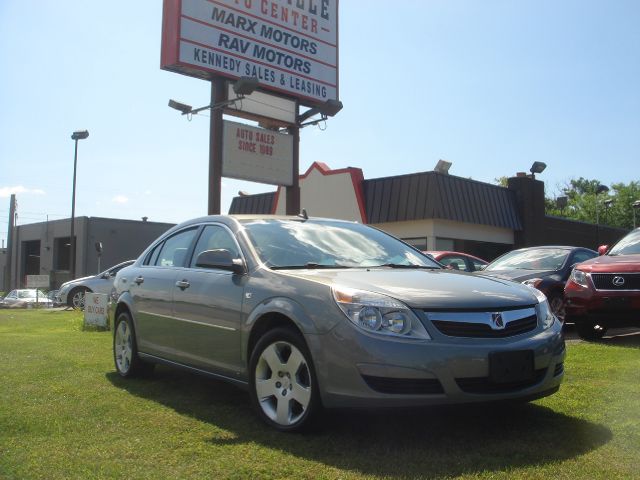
266	322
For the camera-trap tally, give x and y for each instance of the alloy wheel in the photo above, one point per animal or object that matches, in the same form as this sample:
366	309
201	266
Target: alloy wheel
78	300
122	347
283	383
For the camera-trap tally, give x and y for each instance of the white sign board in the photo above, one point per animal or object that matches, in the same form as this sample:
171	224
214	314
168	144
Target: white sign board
95	309
290	46
256	154
263	106
37	281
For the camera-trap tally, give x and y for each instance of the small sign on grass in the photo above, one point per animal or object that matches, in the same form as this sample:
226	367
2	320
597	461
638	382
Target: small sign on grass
95	309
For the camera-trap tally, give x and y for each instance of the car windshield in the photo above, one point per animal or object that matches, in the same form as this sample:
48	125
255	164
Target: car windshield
533	259
30	294
326	244
629	245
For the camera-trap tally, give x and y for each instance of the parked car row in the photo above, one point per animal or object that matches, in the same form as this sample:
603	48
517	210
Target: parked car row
26	298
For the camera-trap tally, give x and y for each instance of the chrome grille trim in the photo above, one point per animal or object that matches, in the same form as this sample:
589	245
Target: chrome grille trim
603	282
482	325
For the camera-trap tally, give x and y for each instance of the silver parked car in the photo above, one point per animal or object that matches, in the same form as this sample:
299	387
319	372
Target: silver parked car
26	298
306	313
71	293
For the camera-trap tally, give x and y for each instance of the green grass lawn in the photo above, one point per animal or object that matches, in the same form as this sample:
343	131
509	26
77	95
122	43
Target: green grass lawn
65	413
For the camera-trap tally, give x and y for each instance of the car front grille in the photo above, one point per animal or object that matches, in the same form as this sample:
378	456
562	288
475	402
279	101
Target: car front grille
481	330
486	386
498	324
405	386
616	281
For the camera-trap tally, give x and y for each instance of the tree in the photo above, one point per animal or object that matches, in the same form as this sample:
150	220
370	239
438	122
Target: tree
615	207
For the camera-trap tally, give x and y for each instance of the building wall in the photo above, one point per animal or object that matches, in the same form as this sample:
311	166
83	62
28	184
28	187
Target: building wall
435	230
3	269
122	240
328	193
581	234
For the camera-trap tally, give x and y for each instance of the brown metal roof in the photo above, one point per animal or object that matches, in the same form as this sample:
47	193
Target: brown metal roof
435	195
261	203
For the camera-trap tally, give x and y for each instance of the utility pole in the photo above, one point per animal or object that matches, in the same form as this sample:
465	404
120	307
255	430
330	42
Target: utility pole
12	221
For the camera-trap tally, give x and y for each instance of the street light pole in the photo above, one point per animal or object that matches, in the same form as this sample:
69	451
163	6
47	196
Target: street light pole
635	205
77	135
600	189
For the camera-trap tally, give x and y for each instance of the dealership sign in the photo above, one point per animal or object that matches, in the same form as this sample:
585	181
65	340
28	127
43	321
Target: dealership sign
256	154
291	46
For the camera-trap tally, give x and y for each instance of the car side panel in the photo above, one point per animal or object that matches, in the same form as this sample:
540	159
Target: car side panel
207	316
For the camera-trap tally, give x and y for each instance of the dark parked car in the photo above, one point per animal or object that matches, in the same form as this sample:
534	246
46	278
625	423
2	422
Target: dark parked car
545	268
307	313
605	292
458	260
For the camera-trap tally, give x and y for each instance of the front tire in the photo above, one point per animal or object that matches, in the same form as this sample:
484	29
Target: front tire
282	381
76	298
125	349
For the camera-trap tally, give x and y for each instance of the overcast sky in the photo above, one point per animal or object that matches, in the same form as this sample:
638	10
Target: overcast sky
491	86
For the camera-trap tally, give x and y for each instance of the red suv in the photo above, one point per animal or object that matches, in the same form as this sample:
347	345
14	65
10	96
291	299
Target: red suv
605	291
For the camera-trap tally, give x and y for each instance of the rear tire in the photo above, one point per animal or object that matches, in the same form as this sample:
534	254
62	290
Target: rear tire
125	349
282	381
590	330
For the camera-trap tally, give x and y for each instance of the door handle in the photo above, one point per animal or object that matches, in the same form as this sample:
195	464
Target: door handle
182	284
139	280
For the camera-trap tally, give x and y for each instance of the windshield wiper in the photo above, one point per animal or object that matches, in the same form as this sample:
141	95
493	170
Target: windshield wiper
400	265
308	266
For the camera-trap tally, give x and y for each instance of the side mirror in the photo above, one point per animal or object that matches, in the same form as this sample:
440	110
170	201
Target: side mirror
221	259
602	249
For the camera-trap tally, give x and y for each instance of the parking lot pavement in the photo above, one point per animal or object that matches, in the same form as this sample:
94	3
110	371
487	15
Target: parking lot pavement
614	335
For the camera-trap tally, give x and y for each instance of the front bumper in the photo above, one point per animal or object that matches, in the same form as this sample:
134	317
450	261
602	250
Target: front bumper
607	308
356	369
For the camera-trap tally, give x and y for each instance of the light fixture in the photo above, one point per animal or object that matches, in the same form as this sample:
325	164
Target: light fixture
608	202
601	189
561	202
243	86
328	109
636	206
79	135
181	107
442	167
537	167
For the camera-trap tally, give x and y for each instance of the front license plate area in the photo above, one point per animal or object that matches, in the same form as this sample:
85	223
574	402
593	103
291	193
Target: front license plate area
509	367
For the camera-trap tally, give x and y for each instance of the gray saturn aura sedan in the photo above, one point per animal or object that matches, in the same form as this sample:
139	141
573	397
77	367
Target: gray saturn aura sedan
308	313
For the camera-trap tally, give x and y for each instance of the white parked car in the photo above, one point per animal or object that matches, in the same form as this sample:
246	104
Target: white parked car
71	293
26	298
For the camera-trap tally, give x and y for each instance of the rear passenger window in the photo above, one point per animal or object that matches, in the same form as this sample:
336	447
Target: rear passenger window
173	252
456	263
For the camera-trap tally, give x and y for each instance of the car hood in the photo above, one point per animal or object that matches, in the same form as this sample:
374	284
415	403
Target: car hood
76	280
517	274
612	264
438	289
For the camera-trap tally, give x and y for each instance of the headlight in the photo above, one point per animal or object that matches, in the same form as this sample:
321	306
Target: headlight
377	313
579	277
533	282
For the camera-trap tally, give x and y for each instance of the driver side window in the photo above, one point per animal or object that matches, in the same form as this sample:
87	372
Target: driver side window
214	237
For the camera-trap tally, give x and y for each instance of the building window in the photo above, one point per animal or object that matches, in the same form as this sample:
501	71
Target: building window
419	242
61	253
444	244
